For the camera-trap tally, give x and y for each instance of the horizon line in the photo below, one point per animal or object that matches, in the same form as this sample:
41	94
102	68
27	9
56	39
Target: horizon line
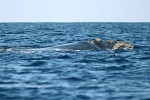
76	22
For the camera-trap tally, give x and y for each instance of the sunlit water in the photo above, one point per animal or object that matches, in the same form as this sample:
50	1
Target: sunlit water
29	71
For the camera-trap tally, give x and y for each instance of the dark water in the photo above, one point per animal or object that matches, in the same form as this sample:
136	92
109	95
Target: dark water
82	75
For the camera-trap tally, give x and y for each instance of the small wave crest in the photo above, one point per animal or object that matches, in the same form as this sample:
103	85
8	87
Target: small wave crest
5	49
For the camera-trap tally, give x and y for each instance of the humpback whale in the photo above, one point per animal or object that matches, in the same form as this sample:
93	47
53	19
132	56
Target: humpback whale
96	44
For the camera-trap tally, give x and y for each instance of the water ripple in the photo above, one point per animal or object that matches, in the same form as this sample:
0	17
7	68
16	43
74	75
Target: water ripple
35	72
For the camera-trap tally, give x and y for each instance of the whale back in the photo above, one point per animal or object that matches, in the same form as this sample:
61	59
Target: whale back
97	44
78	46
104	44
112	44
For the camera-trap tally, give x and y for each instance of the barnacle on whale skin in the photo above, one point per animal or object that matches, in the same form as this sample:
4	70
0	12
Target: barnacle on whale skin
122	44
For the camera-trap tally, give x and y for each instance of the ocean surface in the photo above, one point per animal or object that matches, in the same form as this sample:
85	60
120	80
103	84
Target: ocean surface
28	71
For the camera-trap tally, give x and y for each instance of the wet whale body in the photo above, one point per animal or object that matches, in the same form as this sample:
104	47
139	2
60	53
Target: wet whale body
96	44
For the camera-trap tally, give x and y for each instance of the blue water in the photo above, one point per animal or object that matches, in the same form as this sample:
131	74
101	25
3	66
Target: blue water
81	75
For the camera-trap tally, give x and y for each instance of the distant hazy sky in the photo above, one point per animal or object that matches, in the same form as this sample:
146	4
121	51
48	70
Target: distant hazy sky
74	10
